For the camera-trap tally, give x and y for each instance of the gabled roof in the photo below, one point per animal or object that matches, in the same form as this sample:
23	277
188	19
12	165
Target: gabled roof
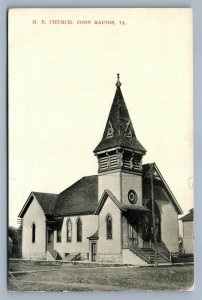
189	216
79	198
46	201
122	207
161	188
119	120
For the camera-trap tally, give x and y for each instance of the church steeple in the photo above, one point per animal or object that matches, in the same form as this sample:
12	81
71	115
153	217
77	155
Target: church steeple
119	139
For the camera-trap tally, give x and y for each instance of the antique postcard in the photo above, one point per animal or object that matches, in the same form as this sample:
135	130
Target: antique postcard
100	105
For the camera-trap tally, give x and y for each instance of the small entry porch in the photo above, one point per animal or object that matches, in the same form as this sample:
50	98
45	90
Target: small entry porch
93	247
138	234
138	227
52	225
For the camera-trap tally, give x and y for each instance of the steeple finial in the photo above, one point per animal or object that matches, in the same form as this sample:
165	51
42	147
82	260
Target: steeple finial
118	83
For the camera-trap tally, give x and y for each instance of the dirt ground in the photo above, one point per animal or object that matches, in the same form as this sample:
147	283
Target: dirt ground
66	277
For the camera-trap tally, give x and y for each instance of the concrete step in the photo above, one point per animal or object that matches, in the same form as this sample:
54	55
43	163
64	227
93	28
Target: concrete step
72	256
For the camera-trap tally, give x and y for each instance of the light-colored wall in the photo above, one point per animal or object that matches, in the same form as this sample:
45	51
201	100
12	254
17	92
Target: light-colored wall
124	231
188	237
35	215
110	249
131	182
89	227
110	181
169	225
119	183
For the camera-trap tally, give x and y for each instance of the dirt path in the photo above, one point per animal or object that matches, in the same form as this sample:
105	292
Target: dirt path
27	285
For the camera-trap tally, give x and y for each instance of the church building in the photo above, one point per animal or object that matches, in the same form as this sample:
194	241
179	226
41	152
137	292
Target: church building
125	214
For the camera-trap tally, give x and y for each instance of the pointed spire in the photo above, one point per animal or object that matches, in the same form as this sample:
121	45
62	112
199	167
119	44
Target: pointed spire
118	83
119	131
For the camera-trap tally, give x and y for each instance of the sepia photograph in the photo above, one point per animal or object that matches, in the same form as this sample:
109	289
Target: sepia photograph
100	150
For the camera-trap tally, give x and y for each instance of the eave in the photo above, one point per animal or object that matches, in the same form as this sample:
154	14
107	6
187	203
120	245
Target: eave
122	207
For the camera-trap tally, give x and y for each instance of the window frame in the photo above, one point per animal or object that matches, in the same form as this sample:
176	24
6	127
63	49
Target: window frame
33	232
109	229
69	237
79	230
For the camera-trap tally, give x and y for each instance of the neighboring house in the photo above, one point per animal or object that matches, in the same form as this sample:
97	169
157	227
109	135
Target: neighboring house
188	232
106	217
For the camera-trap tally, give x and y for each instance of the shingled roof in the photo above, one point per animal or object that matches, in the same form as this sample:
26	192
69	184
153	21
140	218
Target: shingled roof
79	198
119	119
189	216
46	201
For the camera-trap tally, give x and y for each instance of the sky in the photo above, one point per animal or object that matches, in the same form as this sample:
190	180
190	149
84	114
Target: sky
62	75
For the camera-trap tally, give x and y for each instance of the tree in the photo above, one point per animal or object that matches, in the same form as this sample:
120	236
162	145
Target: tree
16	235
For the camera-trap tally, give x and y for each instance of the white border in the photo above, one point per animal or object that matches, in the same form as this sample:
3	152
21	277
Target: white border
196	5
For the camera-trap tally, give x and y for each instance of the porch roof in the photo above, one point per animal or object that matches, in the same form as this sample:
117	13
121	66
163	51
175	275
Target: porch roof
189	216
140	208
94	236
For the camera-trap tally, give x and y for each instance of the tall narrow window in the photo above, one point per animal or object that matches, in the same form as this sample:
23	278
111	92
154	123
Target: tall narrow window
79	230
109	227
33	233
59	235
69	230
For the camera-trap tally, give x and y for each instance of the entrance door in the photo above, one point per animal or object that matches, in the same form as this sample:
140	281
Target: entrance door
93	251
50	240
133	234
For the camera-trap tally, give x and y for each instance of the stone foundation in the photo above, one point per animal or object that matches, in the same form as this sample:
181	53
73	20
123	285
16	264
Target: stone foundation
110	258
35	256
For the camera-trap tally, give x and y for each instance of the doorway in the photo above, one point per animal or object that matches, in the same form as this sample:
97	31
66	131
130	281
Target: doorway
50	240
94	251
133	234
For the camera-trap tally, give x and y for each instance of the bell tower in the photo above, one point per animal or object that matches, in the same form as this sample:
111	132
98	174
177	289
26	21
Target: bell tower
119	155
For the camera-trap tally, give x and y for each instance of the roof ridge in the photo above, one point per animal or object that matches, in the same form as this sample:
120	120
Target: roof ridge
34	192
77	182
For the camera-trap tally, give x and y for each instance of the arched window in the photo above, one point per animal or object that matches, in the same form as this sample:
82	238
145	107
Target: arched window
69	230
109	226
79	230
33	232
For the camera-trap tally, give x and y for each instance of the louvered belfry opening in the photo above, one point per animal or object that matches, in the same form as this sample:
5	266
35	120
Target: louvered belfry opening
119	159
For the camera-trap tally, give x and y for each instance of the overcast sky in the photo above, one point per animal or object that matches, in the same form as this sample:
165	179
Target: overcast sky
61	86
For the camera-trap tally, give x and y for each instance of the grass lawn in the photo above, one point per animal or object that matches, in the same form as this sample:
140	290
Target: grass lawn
82	278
